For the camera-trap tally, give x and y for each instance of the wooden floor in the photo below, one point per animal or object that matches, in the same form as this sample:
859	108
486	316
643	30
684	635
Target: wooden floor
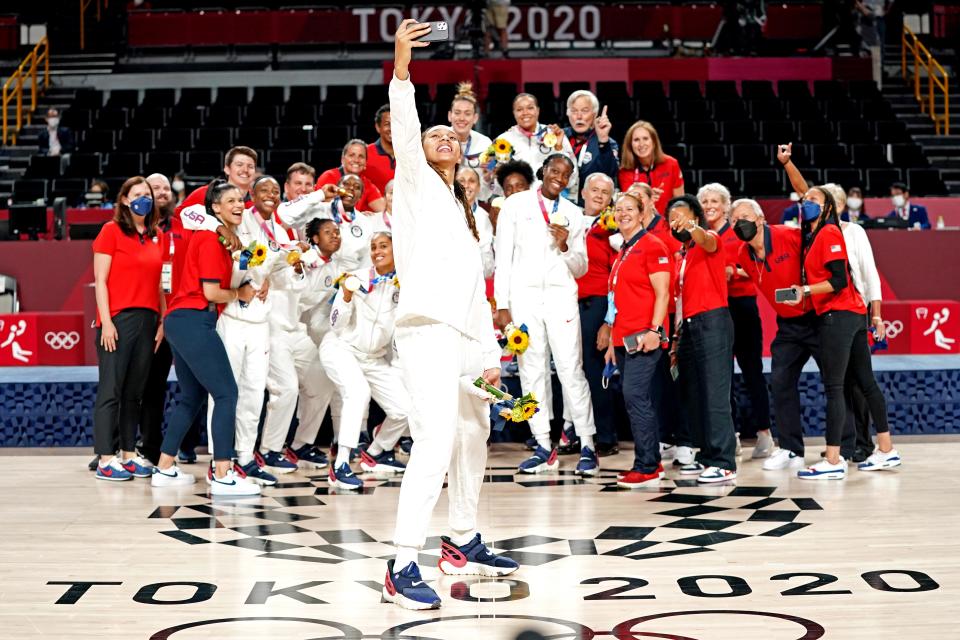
771	558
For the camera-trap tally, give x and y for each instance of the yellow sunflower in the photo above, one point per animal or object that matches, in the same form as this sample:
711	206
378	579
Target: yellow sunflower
501	146
529	410
518	342
257	255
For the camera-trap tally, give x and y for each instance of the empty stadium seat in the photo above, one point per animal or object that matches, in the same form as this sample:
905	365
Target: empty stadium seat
336	112
231	97
298	113
165	162
293	138
175	140
25	191
135	140
148	117
308	94
608	90
648	89
750	156
160	97
721	90
869	156
188	116
566	88
793	89
757	90
225	115
279	160
684	90
829	89
45	167
816	132
855	132
70	188
700	132
261	115
709	156
908	156
879	181
267	95
727	110
925	182
254	137
761	182
738	132
730	178
827	156
83	165
99	140
341	94
846	177
194	96
203	163
123	163
214	139
777	131
125	98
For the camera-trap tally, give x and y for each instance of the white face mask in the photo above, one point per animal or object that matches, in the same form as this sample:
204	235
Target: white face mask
854	203
899	200
53	123
177	185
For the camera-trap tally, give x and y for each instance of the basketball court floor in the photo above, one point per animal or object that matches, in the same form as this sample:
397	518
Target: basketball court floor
768	558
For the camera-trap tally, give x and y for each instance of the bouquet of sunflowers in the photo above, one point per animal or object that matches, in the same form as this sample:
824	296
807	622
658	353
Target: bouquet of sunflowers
606	221
508	408
251	256
517	339
498	152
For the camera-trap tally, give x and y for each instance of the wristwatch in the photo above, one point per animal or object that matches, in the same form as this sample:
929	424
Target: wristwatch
806	291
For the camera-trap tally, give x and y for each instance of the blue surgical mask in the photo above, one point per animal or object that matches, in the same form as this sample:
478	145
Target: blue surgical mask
810	210
142	205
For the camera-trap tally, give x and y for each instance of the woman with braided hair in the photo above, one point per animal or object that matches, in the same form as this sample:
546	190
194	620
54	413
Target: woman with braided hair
444	339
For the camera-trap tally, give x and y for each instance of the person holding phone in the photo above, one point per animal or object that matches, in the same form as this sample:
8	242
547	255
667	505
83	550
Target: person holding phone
843	335
639	286
444	314
199	355
770	256
705	344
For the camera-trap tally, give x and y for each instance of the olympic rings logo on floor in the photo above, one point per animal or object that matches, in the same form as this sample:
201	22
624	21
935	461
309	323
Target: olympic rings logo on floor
622	631
61	340
893	328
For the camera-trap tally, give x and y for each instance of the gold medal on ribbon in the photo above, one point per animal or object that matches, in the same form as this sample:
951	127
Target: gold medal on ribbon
550	139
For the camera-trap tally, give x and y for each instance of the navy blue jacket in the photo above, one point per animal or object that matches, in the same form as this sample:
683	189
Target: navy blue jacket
918	213
594	158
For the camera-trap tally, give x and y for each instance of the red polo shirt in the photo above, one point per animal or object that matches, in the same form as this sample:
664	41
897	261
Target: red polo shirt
176	241
737	286
703	279
828	246
134	278
370	190
661	230
779	269
206	261
600	258
666	176
633	294
380	166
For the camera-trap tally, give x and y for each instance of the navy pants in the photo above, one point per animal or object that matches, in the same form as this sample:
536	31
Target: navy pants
593	309
748	349
666	403
202	368
637	371
705	352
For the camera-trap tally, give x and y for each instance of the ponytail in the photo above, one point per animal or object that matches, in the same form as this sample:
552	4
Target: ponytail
467	209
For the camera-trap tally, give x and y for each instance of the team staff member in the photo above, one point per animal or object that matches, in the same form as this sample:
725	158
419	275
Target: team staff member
639	287
354	355
532	142
299	182
642	160
843	336
770	256
675	439
199	355
602	247
705	343
353	160
589	136
747	328
540	252
127	261
449	424
240	169
381	162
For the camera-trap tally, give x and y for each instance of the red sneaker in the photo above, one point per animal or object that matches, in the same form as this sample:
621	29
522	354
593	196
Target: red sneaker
636	479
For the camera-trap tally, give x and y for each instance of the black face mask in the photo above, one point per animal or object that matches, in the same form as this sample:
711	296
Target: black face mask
682	235
746	230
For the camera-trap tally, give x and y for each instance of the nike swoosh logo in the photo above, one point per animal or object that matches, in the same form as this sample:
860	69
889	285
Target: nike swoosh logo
417	583
229	484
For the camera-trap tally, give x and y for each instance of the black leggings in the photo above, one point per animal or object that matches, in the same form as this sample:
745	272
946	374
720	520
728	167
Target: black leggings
843	346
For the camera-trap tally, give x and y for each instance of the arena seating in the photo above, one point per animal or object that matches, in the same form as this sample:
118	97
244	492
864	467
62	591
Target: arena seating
847	130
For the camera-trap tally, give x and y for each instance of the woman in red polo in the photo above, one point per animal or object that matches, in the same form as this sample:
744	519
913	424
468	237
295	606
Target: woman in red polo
705	342
639	286
127	260
642	160
843	335
199	356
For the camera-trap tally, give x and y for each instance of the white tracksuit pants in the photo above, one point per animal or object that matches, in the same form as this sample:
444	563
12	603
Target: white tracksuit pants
357	379
553	319
294	370
248	349
449	429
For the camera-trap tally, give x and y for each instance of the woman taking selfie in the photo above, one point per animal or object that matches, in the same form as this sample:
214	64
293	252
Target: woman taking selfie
449	424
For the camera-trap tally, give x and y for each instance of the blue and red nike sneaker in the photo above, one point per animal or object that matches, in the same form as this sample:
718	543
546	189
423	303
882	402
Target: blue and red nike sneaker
473	559
407	589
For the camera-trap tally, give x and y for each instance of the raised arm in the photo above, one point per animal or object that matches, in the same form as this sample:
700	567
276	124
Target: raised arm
784	155
296	213
403	108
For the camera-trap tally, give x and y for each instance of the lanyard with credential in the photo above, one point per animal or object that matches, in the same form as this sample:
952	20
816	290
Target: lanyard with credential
543	206
624	254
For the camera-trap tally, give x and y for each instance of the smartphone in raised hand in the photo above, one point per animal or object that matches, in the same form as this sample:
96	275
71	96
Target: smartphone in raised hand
439	32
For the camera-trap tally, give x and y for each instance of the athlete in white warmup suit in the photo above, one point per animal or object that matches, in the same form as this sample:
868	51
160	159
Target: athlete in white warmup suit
444	339
355	356
540	252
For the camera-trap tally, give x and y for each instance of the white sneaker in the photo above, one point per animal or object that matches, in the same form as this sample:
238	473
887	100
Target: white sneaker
233	485
783	459
172	477
824	470
667	451
685	456
739	448
715	474
764	446
880	460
